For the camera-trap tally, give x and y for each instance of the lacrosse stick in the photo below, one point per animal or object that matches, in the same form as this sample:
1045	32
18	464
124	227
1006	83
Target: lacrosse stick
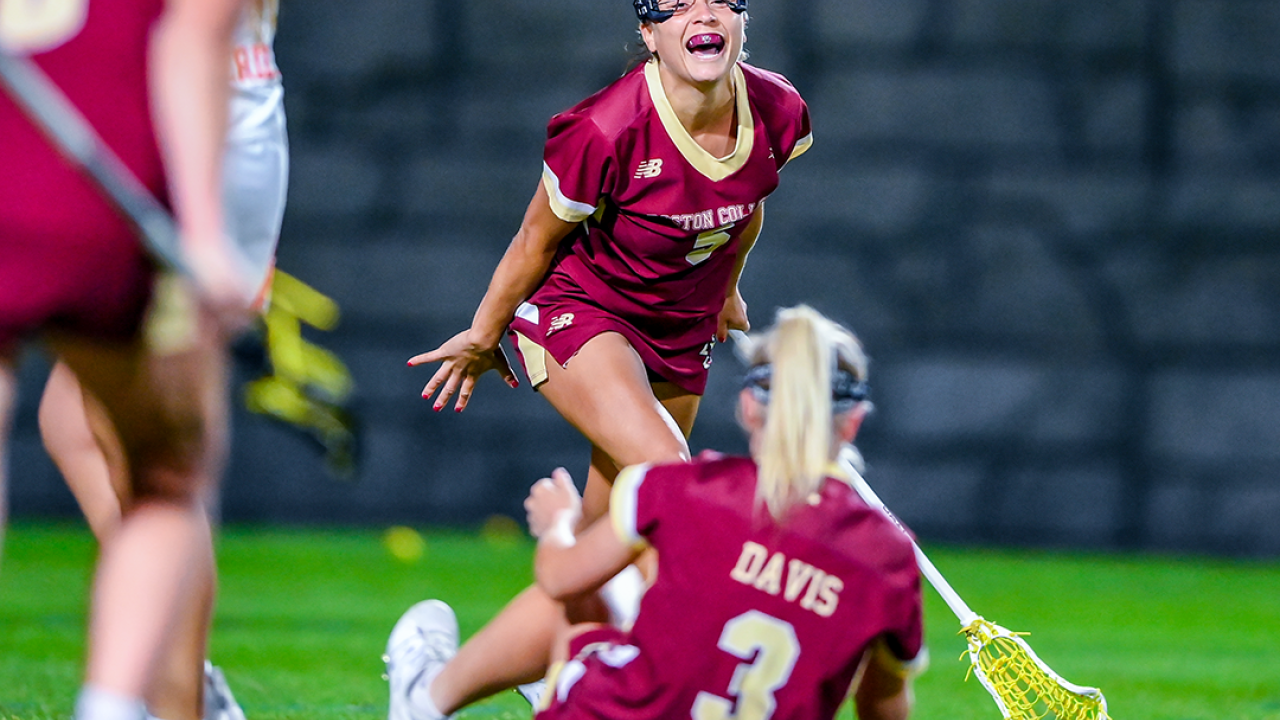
1024	687
41	99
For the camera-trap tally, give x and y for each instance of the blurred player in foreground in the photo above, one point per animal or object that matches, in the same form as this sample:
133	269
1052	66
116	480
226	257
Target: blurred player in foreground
624	273
75	428
780	590
149	346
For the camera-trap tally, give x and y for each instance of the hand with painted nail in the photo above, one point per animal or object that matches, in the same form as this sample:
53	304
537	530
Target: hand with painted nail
462	361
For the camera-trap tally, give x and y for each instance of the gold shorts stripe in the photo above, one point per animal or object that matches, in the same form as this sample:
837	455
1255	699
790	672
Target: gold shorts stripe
535	359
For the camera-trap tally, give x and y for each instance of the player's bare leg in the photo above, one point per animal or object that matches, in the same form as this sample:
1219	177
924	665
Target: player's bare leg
169	410
605	393
80	440
83	444
177	687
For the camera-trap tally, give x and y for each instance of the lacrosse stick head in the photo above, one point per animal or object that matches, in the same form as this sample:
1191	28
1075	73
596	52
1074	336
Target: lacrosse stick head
1022	685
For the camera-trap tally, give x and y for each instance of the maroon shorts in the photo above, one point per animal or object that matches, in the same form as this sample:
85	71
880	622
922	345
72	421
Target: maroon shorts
96	287
560	318
603	656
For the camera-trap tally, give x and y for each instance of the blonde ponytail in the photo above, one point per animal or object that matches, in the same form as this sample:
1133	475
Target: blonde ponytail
796	367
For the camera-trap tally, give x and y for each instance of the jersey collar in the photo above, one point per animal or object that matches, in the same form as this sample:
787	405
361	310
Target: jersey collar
714	168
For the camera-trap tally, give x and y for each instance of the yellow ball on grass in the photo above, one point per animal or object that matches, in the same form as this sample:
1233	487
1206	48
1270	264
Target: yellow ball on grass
404	543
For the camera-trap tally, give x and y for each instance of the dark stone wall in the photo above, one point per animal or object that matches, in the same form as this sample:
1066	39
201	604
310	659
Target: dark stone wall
1053	223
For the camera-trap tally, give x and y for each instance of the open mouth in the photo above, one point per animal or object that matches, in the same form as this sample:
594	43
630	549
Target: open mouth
705	45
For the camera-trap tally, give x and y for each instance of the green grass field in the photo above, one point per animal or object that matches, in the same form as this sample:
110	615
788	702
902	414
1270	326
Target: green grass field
304	613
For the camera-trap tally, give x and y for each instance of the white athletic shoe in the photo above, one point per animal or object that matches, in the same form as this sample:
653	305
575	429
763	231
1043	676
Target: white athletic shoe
219	703
423	640
533	692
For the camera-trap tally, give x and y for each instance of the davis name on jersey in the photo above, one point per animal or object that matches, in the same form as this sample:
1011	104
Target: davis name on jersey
816	590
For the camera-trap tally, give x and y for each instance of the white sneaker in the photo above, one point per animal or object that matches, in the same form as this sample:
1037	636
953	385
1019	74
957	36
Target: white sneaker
219	703
533	692
423	640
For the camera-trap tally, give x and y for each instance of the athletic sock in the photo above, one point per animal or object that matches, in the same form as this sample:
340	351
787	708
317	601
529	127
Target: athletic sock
420	696
98	704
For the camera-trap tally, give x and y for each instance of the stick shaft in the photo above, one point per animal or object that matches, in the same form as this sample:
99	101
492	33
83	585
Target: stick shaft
953	600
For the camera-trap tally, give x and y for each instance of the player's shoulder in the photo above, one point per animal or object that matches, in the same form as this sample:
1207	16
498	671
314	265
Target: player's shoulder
609	111
768	88
876	539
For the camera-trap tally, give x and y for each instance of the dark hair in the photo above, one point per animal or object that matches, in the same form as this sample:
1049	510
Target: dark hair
637	55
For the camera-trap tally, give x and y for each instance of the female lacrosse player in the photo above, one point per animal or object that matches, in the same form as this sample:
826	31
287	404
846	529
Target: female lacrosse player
74	426
779	587
73	271
625	269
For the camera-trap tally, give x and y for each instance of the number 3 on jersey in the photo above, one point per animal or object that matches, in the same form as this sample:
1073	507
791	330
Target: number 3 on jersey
29	26
770	647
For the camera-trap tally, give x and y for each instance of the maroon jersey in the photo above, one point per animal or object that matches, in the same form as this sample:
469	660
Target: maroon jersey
748	617
660	217
67	257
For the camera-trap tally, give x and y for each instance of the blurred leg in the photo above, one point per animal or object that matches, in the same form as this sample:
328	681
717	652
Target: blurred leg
169	412
177	687
82	442
75	432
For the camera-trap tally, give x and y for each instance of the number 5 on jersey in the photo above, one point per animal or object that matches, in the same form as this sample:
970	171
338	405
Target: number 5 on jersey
706	243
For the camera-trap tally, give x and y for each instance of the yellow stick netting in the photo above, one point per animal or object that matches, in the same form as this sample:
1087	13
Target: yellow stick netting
1022	685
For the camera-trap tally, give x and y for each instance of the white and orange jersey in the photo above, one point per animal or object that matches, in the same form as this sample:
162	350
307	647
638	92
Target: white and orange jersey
257	97
256	162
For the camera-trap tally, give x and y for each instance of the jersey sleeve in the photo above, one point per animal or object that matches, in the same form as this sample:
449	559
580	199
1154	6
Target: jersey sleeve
786	115
905	640
577	166
804	131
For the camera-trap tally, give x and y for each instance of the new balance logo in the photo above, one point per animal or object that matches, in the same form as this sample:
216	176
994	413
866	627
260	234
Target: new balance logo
560	322
649	168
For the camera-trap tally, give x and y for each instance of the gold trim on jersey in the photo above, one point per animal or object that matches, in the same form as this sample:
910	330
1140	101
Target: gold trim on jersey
801	147
565	208
704	162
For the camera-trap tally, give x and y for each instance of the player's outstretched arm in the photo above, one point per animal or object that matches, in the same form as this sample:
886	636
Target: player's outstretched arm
473	352
567	566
